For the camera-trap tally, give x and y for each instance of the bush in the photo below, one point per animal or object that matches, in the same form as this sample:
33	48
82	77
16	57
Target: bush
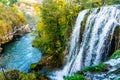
10	18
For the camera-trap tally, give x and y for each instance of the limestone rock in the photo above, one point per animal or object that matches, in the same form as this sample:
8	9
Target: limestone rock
17	31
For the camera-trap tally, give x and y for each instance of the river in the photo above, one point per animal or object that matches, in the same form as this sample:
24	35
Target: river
20	54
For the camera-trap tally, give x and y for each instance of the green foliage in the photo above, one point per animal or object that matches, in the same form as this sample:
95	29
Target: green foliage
95	68
74	77
12	2
8	2
4	1
17	75
57	18
109	2
10	18
54	27
49	27
115	55
35	67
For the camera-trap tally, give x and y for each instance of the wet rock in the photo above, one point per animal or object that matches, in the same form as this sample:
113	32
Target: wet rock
22	30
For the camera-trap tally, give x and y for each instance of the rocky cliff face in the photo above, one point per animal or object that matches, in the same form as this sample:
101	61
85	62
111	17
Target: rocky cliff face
14	32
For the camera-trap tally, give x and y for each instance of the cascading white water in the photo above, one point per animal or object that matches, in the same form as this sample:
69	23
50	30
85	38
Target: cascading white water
100	24
73	47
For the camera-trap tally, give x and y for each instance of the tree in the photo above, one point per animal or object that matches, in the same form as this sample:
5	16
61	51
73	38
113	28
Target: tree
57	19
8	2
51	28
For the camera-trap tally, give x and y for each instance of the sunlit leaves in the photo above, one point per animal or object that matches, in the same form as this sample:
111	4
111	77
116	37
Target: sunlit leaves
8	2
10	18
36	7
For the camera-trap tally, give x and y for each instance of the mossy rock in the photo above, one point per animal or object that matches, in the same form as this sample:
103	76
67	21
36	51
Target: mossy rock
51	61
10	75
13	74
32	66
36	67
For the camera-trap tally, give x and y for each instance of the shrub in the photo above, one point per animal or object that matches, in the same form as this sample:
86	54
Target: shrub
10	18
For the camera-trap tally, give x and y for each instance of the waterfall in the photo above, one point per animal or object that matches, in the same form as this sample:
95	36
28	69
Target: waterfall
96	40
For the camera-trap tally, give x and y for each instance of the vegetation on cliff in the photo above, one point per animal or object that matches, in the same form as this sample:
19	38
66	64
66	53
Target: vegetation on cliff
10	20
8	2
17	75
54	27
115	55
57	18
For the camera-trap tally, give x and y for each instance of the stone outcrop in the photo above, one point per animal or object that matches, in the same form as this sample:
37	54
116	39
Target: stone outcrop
16	31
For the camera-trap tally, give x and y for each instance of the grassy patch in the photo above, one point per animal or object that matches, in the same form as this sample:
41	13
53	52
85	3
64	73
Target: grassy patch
115	55
95	68
74	77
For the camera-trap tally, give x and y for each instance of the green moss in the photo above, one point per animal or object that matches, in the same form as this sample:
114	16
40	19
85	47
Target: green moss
115	55
74	77
32	66
36	67
10	18
96	68
51	61
17	75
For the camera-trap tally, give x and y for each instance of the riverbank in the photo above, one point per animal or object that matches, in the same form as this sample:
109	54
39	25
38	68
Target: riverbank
14	33
12	22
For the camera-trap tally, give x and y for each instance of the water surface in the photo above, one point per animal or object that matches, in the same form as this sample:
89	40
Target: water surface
20	54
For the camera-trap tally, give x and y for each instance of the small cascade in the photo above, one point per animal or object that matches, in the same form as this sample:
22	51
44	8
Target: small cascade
97	38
